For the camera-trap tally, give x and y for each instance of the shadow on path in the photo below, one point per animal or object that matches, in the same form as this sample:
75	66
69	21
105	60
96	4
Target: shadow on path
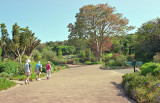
121	91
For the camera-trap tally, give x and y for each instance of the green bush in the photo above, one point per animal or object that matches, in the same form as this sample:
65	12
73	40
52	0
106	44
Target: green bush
9	67
82	56
59	53
153	68
156	58
144	66
115	60
106	57
144	89
121	60
133	80
89	63
6	75
58	60
36	55
6	83
49	55
21	68
111	63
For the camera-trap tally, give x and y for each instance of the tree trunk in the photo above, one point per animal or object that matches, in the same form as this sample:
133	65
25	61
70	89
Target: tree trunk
2	59
100	56
20	59
99	53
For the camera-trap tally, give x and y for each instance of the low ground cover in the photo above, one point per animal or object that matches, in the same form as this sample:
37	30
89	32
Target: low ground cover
144	86
114	61
23	77
15	71
6	83
91	63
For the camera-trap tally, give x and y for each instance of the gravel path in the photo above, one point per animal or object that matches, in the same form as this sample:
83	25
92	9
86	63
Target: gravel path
78	84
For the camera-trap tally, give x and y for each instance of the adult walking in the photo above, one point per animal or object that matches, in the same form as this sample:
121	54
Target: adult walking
28	70
48	70
38	70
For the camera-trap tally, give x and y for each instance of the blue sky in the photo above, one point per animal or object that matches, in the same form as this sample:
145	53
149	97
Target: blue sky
48	19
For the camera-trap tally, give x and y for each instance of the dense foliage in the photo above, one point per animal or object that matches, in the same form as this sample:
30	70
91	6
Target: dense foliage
96	23
114	60
144	86
153	68
147	41
6	83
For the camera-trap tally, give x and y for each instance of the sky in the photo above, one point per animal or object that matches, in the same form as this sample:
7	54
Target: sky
49	19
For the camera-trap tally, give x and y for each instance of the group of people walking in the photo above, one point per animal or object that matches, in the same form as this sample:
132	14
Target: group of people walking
38	68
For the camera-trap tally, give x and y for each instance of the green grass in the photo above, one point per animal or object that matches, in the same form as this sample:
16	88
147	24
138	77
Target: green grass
23	77
6	83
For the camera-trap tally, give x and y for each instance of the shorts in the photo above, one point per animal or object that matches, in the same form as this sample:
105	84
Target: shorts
48	73
38	72
28	73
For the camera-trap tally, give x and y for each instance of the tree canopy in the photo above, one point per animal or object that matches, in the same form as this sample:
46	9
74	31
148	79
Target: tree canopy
96	23
148	40
23	41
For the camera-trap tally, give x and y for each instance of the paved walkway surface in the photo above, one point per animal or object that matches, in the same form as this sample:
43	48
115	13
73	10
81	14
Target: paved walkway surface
78	84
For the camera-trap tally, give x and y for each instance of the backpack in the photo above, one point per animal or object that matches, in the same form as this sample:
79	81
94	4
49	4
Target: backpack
40	68
48	67
27	69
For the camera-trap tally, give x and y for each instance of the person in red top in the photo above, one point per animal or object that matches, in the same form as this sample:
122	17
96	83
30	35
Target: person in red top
48	70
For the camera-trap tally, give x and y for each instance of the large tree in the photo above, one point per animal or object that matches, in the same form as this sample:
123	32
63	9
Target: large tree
18	45
23	41
147	41
4	39
33	42
96	23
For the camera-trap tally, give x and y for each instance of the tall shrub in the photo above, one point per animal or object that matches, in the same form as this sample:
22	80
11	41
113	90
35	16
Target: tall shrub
153	68
156	57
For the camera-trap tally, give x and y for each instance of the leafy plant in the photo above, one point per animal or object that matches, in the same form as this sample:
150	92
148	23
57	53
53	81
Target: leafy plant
157	57
115	60
6	83
153	68
144	89
6	75
9	67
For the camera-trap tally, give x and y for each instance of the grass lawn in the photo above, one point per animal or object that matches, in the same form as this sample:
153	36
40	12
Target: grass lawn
6	83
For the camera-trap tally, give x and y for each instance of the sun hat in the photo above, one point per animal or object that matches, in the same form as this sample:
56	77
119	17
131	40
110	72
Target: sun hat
28	60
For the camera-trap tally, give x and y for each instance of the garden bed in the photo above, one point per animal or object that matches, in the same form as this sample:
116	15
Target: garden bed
113	67
6	83
144	86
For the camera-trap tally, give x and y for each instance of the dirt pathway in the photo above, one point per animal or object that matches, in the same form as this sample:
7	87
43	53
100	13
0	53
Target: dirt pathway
81	84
